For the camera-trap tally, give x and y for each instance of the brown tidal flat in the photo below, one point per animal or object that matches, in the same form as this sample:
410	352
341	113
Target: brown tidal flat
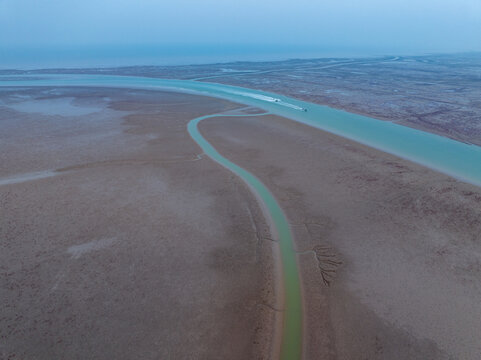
118	239
389	251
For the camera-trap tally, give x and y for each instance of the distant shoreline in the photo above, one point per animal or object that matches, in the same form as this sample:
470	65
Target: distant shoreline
20	60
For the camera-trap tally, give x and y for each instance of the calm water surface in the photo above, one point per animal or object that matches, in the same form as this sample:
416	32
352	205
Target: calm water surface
457	159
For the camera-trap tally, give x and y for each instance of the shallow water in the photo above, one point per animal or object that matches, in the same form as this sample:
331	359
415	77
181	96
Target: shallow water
61	106
457	159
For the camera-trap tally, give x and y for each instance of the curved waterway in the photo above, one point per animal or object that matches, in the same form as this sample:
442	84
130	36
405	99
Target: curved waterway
291	344
460	160
457	159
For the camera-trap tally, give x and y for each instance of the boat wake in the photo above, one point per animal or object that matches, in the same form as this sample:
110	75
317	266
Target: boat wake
268	99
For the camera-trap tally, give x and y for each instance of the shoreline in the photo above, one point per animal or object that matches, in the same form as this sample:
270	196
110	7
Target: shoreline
380	243
335	175
360	129
401	89
353	110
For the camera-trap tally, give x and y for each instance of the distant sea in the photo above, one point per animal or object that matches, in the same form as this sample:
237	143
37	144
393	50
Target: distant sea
115	56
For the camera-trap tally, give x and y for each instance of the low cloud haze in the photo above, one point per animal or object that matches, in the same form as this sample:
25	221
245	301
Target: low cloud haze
380	26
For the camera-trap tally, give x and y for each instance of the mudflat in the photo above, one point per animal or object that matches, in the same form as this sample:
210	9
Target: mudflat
389	251
119	239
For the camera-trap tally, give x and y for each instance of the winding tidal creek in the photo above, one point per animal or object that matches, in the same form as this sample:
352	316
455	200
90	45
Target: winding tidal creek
460	160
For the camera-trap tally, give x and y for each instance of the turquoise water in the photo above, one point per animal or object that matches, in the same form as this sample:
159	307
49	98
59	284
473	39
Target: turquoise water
291	345
457	159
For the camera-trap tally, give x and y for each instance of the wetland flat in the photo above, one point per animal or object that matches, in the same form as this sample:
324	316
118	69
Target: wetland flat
125	227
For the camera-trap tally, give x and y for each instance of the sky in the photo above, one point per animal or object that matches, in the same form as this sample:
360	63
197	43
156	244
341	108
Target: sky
364	26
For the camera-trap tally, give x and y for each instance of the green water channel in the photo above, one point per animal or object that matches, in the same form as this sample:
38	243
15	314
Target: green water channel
291	345
457	159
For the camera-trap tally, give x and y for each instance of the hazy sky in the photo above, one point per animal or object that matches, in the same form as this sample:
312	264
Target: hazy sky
390	25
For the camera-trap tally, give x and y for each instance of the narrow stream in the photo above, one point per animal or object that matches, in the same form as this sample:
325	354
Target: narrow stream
457	159
291	345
